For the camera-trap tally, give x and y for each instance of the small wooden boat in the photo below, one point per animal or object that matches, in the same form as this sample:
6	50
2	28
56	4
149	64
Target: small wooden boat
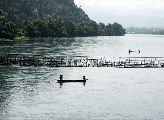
64	81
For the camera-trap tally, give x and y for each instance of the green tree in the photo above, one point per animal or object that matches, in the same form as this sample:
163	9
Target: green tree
101	29
109	31
118	29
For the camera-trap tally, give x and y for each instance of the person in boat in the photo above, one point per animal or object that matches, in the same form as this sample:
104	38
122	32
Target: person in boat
84	78
130	51
61	77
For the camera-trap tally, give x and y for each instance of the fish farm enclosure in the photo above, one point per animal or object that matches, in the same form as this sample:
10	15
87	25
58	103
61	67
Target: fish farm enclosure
80	61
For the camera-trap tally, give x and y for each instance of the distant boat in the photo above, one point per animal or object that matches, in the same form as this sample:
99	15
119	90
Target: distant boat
134	51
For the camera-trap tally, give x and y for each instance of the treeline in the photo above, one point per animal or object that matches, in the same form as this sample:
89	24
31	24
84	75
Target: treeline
57	28
154	31
8	30
161	32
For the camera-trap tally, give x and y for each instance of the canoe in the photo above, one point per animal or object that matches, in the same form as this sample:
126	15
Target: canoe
63	81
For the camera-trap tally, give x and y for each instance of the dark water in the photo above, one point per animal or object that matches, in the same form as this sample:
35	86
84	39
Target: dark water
31	93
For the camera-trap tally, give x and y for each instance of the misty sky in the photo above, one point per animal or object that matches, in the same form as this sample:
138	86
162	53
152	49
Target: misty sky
150	12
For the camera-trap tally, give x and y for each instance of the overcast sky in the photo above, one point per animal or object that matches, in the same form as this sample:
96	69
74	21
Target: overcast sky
102	10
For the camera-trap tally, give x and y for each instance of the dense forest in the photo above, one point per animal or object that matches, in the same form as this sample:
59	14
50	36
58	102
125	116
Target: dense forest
50	18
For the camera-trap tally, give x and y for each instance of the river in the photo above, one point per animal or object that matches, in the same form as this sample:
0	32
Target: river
31	93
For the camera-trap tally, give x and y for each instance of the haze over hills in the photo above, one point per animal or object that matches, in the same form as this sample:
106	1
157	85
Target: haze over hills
130	20
136	13
135	21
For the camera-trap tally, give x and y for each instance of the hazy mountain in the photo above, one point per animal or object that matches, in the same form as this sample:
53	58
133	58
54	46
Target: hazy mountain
131	20
139	21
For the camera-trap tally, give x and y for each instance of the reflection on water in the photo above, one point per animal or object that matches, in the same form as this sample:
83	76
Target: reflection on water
32	93
61	84
149	46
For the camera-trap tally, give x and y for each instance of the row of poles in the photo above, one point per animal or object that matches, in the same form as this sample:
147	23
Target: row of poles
80	61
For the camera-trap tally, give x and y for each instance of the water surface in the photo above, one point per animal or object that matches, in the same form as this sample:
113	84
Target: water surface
31	93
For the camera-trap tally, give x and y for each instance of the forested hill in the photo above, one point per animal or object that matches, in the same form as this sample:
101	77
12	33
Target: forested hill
50	18
22	10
